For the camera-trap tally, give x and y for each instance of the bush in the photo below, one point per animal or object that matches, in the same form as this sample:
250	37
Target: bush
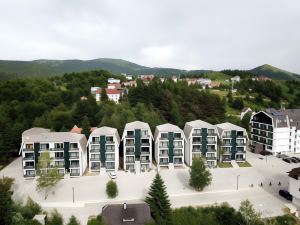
111	189
96	221
55	218
30	209
200	176
73	221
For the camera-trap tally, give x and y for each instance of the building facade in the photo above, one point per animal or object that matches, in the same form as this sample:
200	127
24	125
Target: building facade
169	144
137	147
294	185
201	141
67	150
103	146
112	94
276	131
233	142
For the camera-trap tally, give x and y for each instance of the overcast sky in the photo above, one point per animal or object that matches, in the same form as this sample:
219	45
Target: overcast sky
189	34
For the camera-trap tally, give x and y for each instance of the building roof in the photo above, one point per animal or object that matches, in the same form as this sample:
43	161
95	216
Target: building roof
136	125
294	173
284	117
167	127
134	214
228	127
105	131
76	130
196	124
109	91
35	130
246	109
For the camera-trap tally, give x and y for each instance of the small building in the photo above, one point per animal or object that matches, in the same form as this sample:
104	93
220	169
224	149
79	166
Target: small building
131	214
215	84
137	147
129	77
204	81
233	142
146	77
112	94
174	78
67	150
113	80
169	143
244	111
103	145
235	79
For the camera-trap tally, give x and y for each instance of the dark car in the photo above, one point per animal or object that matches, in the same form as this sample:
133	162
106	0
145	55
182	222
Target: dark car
286	195
288	160
293	160
297	159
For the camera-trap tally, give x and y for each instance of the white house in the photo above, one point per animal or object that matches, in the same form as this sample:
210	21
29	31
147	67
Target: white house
68	151
103	145
204	81
276	131
137	147
113	80
235	79
169	143
201	141
112	94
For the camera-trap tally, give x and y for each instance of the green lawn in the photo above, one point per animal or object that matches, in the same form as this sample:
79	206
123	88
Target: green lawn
244	164
224	165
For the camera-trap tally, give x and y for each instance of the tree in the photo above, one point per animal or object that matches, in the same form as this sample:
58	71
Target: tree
200	176
6	202
73	221
246	121
30	209
48	175
86	127
103	96
238	104
96	221
55	218
159	202
248	214
111	189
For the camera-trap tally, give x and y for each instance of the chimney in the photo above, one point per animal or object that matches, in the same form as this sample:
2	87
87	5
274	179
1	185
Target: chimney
124	206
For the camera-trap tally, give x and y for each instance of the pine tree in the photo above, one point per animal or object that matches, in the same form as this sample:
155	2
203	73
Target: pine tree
200	176
103	96
86	126
159	202
73	221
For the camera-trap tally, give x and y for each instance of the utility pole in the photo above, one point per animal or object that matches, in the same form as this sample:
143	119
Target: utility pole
237	182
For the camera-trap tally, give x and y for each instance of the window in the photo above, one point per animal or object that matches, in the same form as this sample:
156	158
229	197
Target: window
59	145
59	155
109	139
144	132
130	133
74	145
44	146
177	135
29	146
197	131
163	135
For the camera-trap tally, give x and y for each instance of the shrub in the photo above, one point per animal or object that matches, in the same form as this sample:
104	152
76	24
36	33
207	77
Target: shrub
55	218
30	209
96	221
111	189
73	221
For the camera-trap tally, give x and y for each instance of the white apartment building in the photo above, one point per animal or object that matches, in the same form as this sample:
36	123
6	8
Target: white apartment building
68	151
294	185
169	144
233	142
137	147
103	145
201	141
276	131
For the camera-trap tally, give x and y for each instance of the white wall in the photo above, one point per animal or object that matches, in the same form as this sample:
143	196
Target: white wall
281	137
294	189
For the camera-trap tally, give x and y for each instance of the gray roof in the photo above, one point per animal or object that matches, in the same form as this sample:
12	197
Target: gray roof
284	117
136	125
114	214
198	124
32	136
228	127
105	131
167	127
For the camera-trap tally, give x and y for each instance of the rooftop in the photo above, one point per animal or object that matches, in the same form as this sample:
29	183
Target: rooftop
229	126
196	124
136	125
167	127
105	131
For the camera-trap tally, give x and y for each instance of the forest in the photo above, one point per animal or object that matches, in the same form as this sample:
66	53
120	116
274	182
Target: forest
56	103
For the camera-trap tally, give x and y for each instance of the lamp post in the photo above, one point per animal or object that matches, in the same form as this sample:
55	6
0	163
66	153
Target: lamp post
237	182
73	193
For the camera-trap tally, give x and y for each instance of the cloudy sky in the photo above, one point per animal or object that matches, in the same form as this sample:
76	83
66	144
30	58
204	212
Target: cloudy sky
189	34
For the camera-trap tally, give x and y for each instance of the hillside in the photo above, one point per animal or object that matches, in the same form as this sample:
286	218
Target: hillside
43	68
274	73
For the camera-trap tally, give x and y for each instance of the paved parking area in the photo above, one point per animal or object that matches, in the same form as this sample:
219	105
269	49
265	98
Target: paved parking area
89	191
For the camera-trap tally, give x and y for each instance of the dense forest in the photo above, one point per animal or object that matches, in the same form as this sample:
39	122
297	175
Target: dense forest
56	103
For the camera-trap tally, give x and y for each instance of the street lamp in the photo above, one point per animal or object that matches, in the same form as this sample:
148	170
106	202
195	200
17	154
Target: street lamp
73	193
237	182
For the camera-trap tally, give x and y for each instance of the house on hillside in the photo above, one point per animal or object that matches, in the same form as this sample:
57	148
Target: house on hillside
113	81
235	79
112	94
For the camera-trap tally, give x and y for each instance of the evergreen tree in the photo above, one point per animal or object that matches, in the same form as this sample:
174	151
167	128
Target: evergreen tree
111	189
73	221
103	96
86	127
248	214
55	218
6	202
159	202
200	176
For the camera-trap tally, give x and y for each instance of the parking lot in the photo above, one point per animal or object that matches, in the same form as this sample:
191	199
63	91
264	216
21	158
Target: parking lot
89	191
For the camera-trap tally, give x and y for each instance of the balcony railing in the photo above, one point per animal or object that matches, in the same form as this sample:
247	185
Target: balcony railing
163	146
164	155
240	144
74	149
211	142
95	150
28	150
28	158
110	159
145	161
74	174
211	150
95	142
129	143
56	149
129	136
95	159
145	152
226	144
145	144
178	162
163	163
109	142
58	158
129	152
211	158
74	156
74	165
129	161
110	150
196	134
226	136
196	150
212	134
28	167
178	154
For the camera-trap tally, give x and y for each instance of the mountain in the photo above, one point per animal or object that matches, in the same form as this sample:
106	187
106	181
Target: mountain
44	67
274	73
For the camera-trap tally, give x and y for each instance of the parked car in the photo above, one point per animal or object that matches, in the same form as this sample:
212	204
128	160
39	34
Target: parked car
286	194
293	160
288	160
297	159
283	156
112	175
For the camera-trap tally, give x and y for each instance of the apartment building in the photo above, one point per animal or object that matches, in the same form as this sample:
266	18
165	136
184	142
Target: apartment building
67	150
233	142
103	145
276	131
137	147
201	141
169	144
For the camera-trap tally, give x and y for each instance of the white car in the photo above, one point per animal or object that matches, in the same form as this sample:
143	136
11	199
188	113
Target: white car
112	175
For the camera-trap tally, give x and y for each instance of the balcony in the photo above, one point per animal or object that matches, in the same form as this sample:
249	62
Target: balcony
95	142
109	150
211	150
212	134
240	144
226	136
28	167
145	144
227	153
178	163
177	154
145	161
211	142
129	153
109	142
28	150
226	144
74	174
164	155
196	150
74	149
129	136
28	158
95	159
211	158
145	152
110	159
196	134
241	136
95	150
74	156
163	163
59	158
75	165
56	149
129	161
163	146
129	144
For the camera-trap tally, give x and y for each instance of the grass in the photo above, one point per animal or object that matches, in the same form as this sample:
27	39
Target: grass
224	165
244	164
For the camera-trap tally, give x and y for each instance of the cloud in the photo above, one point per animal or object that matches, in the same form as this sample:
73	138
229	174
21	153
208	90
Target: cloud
193	34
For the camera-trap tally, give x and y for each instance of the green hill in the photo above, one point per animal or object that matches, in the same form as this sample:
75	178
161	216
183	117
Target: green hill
274	73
